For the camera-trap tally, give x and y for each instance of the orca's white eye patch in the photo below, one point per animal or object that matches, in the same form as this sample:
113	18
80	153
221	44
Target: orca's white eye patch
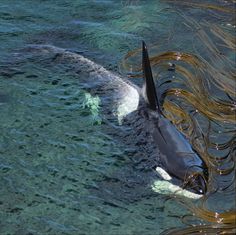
167	188
163	174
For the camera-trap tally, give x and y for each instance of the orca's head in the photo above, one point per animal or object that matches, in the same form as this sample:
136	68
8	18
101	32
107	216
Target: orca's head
196	179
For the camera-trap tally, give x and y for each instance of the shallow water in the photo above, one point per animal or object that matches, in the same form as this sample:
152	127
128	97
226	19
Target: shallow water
67	166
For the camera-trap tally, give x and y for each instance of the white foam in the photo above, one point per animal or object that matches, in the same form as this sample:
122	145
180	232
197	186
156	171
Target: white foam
128	102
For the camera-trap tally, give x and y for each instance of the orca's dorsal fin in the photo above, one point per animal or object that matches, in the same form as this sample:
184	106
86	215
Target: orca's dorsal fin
149	85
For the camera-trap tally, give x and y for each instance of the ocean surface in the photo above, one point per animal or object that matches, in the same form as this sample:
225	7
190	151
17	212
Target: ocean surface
69	164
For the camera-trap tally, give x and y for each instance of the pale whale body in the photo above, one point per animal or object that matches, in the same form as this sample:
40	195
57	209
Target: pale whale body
99	78
174	152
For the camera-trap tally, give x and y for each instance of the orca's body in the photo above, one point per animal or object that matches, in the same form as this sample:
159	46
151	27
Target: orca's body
177	155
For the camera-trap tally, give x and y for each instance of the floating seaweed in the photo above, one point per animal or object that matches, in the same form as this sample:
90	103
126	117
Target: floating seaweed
198	93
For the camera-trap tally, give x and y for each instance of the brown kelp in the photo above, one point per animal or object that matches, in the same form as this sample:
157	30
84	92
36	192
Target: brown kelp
198	85
204	5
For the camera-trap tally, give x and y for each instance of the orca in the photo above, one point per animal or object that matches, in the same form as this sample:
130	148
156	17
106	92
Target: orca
176	154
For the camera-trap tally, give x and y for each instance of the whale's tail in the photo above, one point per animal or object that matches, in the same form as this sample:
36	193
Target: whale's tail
149	89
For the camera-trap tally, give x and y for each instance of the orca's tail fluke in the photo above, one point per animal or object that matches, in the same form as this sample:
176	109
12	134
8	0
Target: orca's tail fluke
149	85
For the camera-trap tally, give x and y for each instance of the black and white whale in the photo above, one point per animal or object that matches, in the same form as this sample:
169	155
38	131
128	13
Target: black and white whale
176	154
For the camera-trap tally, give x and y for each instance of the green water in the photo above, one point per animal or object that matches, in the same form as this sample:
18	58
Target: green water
65	167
